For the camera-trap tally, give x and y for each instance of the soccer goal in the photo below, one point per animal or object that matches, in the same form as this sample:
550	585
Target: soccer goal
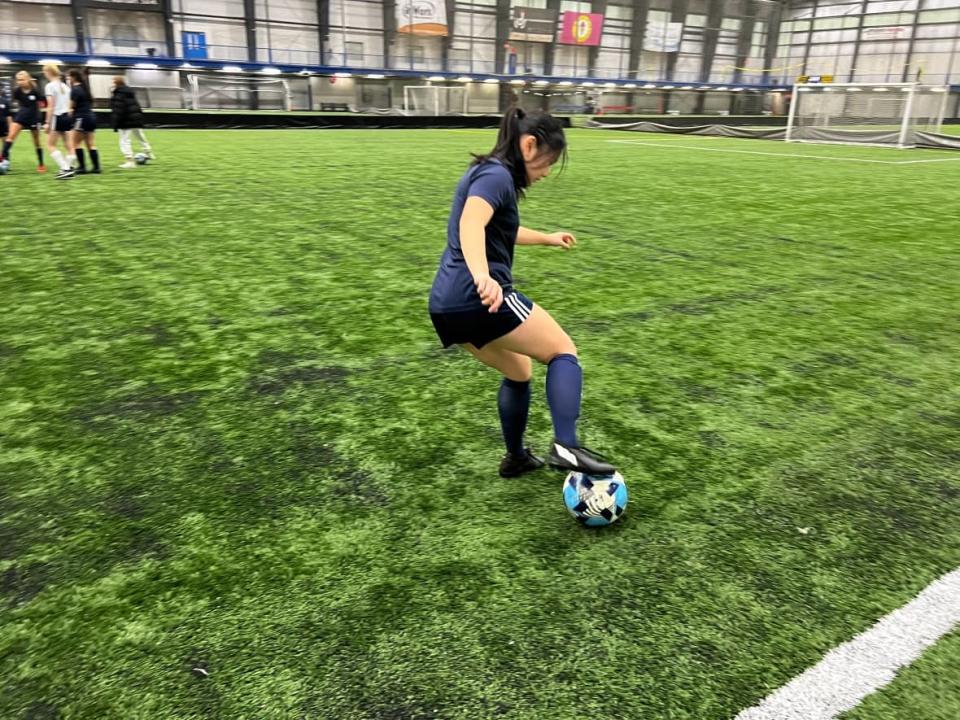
213	92
882	114
434	100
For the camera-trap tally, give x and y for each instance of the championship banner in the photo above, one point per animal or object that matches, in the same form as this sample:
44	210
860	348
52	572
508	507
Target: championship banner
422	17
662	36
581	28
532	25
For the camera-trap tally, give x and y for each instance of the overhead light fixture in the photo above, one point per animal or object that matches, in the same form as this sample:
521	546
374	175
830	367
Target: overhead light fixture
649	86
589	84
97	62
464	78
375	76
937	89
703	87
188	66
492	81
4	60
609	84
436	78
630	85
723	87
146	66
232	68
271	71
780	90
737	90
49	61
854	90
304	72
541	82
518	82
343	75
667	87
687	87
565	83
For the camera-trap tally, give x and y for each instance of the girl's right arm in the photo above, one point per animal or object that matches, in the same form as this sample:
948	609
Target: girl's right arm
473	243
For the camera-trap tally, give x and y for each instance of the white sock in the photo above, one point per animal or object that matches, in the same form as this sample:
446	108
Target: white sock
60	160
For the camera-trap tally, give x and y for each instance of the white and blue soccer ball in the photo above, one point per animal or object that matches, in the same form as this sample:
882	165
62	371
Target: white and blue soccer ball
4	167
141	158
595	500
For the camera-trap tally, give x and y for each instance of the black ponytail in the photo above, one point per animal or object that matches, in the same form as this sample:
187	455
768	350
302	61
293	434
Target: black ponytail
515	124
82	78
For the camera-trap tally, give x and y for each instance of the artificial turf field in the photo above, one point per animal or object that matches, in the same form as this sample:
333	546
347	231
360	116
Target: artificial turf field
240	479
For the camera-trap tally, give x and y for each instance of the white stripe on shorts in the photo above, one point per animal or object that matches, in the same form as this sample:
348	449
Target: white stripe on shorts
518	307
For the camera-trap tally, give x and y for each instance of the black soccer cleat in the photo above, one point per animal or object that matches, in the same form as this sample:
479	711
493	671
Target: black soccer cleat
515	465
578	459
65	174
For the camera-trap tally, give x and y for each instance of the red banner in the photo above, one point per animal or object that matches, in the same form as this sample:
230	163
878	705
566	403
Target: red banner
581	28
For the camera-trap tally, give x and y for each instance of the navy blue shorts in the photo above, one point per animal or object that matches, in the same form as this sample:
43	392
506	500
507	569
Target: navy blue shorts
479	327
62	123
84	123
28	120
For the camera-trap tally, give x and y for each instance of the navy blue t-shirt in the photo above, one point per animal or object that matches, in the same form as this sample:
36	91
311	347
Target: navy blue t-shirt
453	288
29	101
82	103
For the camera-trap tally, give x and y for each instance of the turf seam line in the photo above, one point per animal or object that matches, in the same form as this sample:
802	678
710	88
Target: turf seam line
863	665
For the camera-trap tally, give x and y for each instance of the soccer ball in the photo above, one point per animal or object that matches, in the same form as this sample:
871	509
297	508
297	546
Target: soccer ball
595	500
4	167
141	158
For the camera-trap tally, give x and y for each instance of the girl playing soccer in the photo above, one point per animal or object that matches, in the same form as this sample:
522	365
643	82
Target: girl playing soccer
84	122
126	116
58	120
30	103
473	302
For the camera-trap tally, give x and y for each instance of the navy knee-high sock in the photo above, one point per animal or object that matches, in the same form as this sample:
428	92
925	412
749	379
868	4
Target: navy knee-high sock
513	402
564	386
81	159
95	158
39	156
7	144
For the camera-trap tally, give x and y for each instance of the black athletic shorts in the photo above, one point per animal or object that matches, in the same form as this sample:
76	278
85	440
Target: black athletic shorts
84	123
479	327
29	120
62	123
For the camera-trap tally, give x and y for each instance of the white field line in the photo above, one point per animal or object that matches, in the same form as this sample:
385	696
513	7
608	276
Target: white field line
778	154
855	669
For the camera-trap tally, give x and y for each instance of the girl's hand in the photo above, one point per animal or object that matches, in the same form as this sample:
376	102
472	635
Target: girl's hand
490	292
561	239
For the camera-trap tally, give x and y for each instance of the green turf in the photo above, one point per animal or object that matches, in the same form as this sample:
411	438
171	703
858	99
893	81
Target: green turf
229	440
928	689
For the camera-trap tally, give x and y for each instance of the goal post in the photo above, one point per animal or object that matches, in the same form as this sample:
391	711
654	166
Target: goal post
434	100
229	92
880	114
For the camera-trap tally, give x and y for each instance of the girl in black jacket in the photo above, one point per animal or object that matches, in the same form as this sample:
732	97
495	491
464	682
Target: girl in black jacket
127	118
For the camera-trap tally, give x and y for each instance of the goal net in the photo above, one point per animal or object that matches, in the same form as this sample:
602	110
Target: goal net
211	92
434	100
884	114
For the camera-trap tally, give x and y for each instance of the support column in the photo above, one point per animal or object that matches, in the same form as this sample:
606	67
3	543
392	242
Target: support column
250	24
323	29
678	14
79	20
500	53
446	41
170	39
856	45
748	26
550	49
774	21
711	37
389	30
907	68
600	7
641	10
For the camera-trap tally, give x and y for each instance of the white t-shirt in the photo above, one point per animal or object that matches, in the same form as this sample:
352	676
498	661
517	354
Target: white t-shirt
61	97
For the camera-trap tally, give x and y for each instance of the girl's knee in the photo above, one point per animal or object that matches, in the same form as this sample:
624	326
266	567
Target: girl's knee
565	346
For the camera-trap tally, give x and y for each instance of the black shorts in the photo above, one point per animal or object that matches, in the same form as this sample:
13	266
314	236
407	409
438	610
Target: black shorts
84	123
28	120
62	123
4	128
479	327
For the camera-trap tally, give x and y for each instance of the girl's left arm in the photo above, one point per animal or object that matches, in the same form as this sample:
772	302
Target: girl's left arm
525	236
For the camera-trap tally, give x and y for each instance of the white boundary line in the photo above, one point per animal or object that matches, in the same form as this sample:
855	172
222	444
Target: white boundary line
857	668
777	154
